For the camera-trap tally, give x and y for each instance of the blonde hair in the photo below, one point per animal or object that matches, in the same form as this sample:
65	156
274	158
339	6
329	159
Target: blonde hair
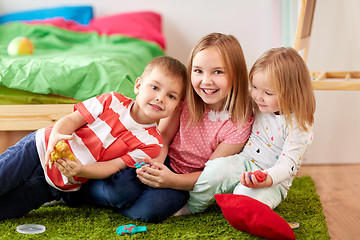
168	65
292	83
237	102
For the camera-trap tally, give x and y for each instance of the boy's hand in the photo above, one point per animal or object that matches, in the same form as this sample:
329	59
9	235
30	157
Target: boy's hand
257	179
69	167
146	162
53	141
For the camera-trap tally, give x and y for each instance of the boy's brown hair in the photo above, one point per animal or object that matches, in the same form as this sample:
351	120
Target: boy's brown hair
170	66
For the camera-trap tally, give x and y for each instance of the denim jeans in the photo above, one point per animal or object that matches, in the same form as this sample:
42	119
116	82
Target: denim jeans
126	194
23	186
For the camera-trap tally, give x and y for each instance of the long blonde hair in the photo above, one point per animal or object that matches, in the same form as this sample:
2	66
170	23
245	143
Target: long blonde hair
292	83
237	102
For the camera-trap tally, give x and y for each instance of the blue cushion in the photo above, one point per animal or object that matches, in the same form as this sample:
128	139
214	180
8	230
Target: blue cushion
80	14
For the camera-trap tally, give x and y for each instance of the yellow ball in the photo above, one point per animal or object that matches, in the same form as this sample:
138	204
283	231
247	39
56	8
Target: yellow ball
20	46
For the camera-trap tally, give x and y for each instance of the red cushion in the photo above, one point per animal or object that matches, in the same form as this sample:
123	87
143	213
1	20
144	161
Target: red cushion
247	214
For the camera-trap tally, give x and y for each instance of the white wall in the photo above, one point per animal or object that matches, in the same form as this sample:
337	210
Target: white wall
258	26
186	21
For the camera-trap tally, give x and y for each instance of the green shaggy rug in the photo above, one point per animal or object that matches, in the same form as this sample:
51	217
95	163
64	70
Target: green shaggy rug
302	205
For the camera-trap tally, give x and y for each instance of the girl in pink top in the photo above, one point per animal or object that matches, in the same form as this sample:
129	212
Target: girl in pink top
214	121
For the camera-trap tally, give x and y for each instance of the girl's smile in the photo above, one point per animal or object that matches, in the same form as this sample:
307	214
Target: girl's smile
260	105
209	91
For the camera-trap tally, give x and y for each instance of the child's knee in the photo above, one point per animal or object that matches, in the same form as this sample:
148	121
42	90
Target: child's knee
224	172
269	196
151	213
215	171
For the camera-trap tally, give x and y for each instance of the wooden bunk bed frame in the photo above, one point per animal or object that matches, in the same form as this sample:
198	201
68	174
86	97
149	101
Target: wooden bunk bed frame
16	121
31	117
321	80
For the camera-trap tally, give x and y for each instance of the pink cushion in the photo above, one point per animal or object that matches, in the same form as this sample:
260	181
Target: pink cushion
142	25
250	215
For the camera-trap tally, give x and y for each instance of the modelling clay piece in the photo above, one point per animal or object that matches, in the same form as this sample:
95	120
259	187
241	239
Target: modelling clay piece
139	164
260	176
20	46
130	229
62	150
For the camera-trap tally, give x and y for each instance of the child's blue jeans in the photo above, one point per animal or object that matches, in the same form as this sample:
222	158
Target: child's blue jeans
23	186
129	196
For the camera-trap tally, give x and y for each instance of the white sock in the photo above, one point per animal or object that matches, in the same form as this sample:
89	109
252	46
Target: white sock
185	210
51	203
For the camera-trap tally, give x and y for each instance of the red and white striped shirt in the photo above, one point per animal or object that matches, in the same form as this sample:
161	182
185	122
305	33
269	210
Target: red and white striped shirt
110	132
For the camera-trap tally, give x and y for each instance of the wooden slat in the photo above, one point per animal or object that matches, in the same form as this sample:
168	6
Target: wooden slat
318	76
31	117
323	80
304	43
303	31
343	74
348	81
336	85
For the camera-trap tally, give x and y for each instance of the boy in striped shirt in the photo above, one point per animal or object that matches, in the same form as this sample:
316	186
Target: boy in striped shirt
106	133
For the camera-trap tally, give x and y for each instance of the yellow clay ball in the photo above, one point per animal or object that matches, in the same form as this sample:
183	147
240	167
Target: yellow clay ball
20	46
61	150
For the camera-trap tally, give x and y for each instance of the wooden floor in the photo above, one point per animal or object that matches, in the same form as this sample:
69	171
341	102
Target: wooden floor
339	189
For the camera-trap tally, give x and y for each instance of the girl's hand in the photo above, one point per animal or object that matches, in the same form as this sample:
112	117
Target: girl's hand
147	161
53	140
248	179
155	174
69	168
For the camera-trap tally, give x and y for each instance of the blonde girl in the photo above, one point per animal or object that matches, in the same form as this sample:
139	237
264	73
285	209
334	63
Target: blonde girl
284	107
